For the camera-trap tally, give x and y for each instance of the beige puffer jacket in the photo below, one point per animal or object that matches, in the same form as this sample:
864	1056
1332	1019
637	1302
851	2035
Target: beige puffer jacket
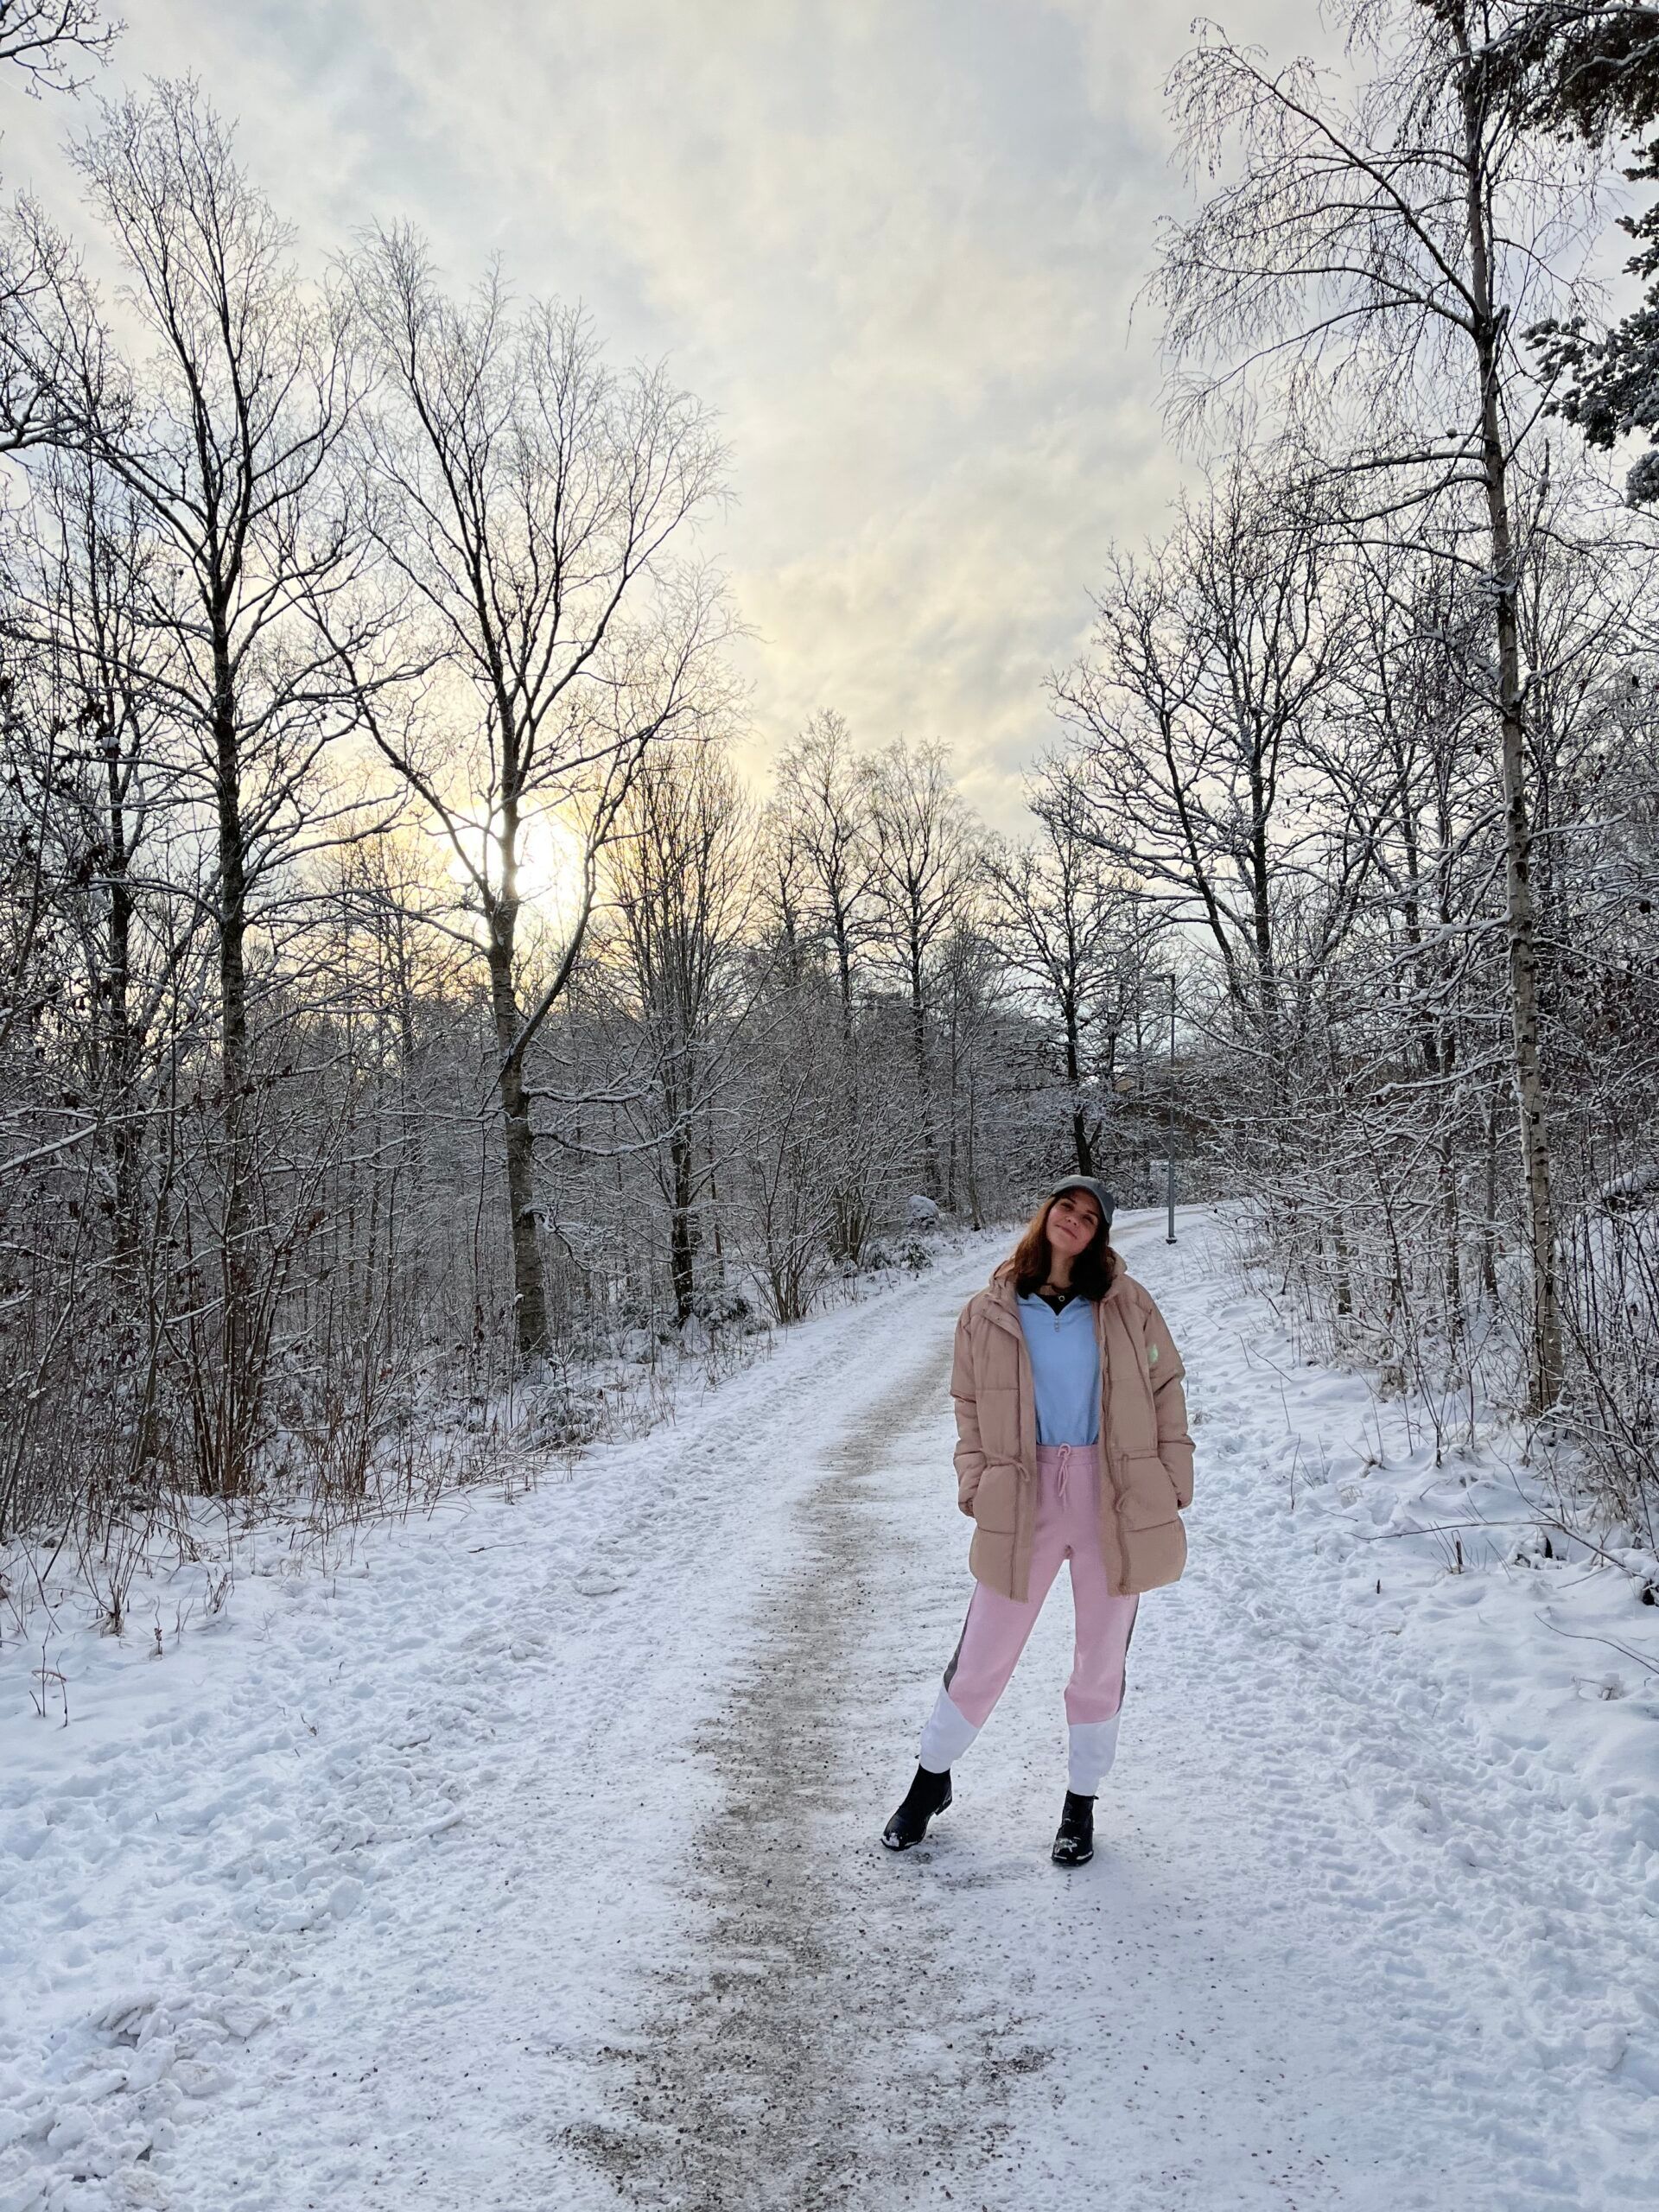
1146	1459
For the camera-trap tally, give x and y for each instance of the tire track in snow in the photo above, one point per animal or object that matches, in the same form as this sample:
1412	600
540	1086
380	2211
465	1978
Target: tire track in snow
823	2051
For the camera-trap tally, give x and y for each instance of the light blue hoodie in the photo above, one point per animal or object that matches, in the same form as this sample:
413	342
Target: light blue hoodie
1064	1369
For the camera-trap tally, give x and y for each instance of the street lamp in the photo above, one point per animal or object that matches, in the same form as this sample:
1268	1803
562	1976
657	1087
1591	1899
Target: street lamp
1167	975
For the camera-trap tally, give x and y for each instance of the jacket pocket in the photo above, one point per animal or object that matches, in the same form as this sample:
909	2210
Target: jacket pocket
997	1502
1148	1497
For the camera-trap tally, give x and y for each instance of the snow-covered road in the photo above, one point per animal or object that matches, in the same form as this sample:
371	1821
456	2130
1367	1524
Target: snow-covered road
533	1864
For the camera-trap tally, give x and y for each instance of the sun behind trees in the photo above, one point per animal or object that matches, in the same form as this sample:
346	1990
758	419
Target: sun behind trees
530	507
406	1008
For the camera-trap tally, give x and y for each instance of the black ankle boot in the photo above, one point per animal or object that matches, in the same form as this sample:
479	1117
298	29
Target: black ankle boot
1074	1844
927	1795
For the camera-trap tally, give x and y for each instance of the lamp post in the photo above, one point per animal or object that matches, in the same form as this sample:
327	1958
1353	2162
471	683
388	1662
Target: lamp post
1167	975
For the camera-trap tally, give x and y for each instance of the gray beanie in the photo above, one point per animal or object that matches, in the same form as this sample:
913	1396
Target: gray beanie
1097	1190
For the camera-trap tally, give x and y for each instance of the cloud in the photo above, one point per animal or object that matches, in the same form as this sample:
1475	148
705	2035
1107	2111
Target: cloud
895	247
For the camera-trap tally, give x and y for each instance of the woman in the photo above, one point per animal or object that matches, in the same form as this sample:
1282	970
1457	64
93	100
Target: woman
1071	1445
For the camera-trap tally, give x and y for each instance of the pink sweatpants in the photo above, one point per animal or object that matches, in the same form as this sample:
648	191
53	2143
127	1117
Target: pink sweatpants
994	1633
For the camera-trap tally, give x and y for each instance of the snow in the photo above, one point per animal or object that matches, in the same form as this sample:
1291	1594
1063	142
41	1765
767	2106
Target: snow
531	1859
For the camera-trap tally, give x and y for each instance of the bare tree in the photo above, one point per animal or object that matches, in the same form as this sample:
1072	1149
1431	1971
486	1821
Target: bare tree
926	856
783	890
82	575
1389	248
1069	925
224	437
1216	666
46	38
532	500
825	803
679	878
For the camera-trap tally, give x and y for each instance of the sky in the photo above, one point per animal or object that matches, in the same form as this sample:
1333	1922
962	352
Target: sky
895	245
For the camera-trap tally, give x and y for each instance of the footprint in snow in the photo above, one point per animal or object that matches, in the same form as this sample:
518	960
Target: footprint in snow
597	1582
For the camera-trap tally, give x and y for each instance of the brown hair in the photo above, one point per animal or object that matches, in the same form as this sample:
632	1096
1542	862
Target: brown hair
1093	1272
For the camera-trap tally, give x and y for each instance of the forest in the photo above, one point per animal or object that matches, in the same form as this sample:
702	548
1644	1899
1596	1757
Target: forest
416	1034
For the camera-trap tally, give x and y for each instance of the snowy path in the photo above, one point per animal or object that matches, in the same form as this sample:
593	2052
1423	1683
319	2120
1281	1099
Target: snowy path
534	1865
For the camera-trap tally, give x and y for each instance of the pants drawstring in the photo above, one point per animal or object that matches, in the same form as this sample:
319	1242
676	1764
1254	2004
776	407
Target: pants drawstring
1066	1462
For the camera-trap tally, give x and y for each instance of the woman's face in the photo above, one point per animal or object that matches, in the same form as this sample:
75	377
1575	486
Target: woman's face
1073	1221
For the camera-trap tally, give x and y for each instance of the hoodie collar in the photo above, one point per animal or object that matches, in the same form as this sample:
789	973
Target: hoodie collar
1005	1305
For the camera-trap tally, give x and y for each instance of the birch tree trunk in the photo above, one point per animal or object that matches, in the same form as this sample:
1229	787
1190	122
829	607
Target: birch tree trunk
1520	931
